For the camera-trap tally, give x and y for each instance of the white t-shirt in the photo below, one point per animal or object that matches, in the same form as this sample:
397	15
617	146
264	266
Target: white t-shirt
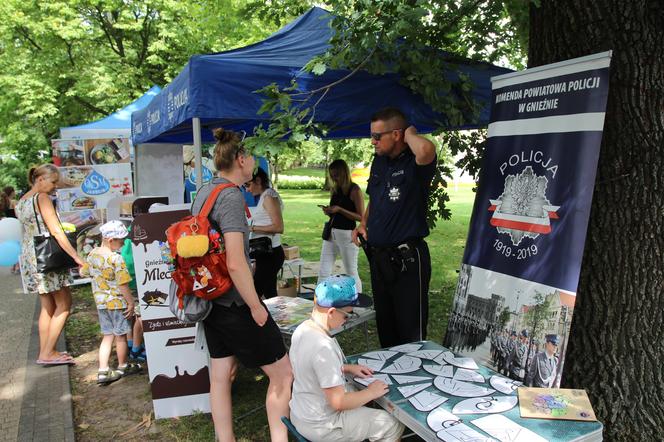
317	362
260	217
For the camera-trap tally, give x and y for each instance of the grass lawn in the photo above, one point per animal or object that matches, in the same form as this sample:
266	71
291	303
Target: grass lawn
303	223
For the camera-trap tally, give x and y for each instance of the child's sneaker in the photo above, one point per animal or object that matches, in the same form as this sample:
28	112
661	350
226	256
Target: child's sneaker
130	368
105	377
137	355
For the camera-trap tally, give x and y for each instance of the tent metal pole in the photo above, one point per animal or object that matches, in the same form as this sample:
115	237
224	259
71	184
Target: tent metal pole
196	123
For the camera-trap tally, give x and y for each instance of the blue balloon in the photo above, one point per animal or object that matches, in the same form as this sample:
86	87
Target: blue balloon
9	253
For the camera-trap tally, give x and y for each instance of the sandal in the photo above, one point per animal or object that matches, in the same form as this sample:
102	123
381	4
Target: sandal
129	369
105	377
60	360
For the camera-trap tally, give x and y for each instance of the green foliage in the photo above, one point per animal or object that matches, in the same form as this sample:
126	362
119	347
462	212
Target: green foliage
301	182
65	62
423	41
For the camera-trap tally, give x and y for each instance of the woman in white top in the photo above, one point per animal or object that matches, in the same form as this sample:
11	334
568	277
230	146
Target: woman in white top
266	221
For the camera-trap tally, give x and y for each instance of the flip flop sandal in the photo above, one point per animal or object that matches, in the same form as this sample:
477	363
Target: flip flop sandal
57	361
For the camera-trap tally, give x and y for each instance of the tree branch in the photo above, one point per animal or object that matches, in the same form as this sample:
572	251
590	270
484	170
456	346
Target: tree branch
90	106
23	31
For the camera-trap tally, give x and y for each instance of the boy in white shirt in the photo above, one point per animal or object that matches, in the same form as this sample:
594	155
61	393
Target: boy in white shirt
321	408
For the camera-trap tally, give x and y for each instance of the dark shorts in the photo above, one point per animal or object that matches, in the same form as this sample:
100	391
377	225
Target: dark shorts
232	331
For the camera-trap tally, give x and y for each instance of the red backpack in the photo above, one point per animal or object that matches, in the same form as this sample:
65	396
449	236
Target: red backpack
199	254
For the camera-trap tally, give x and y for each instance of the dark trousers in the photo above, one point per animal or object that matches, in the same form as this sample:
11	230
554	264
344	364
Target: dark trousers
267	267
400	284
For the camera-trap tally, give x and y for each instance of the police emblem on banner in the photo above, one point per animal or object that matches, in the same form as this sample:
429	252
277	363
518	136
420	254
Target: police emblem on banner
523	210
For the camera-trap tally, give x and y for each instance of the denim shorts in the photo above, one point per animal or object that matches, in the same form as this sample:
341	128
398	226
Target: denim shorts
113	322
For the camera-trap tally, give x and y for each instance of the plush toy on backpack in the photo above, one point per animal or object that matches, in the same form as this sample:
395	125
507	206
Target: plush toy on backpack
199	255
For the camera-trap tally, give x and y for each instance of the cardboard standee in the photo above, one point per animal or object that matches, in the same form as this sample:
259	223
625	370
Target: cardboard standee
178	373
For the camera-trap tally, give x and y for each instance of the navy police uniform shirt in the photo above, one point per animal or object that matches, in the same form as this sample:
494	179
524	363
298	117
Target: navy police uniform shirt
398	190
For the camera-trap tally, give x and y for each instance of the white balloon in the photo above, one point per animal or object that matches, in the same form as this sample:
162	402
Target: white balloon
10	229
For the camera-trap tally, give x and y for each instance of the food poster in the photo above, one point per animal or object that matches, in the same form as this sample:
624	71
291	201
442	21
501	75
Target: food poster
178	372
107	151
87	224
68	152
91	187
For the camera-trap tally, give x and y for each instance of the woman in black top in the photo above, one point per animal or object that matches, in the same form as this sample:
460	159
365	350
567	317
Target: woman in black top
345	208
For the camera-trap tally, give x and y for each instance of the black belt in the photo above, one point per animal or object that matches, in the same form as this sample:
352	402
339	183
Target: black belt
402	246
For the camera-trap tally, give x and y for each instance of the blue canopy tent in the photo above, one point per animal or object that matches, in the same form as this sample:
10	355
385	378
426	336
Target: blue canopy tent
217	90
118	124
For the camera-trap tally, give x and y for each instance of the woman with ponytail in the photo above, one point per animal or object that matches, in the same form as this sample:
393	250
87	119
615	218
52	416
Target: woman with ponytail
36	212
239	326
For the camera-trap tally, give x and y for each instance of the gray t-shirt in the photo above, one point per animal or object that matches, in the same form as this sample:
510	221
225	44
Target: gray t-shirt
317	362
229	214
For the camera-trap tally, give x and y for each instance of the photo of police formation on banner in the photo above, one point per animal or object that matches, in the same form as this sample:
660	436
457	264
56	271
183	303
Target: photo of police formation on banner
524	342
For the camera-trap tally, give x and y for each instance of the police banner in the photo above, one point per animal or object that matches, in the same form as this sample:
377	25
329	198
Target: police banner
517	287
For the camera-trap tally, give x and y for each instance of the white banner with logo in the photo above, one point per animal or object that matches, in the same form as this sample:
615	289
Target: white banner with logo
517	287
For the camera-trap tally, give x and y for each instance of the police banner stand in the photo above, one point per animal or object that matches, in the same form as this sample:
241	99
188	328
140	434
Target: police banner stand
515	297
178	373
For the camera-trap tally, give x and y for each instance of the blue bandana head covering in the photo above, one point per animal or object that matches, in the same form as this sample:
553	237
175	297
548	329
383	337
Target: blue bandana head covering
339	291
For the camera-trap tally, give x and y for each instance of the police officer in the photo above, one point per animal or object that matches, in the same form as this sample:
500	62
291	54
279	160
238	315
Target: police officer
507	351
542	370
394	224
518	358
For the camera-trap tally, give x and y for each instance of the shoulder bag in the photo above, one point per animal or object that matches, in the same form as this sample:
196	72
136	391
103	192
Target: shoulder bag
327	229
50	256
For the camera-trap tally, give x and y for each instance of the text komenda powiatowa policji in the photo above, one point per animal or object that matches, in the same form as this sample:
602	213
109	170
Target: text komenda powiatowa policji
543	104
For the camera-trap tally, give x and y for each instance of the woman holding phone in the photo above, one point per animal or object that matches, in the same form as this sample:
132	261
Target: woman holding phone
345	209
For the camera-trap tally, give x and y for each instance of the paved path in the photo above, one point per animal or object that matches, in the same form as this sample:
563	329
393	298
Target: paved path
35	401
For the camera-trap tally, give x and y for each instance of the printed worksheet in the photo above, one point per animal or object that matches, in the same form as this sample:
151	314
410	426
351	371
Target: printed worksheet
404	364
460	388
426	400
506	430
409	390
485	405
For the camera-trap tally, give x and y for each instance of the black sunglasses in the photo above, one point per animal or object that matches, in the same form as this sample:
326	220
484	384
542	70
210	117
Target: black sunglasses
376	136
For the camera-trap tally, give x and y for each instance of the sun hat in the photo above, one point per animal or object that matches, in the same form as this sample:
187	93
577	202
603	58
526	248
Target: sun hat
340	291
114	230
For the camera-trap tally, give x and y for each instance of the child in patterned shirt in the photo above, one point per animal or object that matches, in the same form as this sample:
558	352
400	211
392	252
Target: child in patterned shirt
114	300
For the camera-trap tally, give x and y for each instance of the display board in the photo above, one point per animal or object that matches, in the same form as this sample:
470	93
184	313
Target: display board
178	373
520	271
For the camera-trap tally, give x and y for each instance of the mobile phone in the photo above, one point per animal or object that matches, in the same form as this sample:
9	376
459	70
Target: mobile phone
321	206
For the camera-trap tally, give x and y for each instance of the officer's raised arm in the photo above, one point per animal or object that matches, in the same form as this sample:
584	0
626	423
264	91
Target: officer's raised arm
423	148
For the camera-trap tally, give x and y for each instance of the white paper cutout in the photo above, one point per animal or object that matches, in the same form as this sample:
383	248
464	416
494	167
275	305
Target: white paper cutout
468	363
504	385
439	359
409	390
438	370
459	388
405	379
462	433
373	364
381	355
376	377
406	348
405	364
425	354
440	419
463	374
426	400
506	430
485	405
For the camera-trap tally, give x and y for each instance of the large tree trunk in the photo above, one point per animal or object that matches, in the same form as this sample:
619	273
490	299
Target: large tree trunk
616	346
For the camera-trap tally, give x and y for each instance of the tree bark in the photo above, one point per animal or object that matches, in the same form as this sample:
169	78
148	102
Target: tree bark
616	345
